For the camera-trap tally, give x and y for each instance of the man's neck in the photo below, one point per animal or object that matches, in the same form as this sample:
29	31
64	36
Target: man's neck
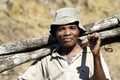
71	51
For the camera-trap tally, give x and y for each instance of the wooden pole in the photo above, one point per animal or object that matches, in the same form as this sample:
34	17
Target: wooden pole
17	59
6	63
37	43
15	53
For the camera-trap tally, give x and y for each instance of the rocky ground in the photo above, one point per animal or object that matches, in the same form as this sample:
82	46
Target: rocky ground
24	19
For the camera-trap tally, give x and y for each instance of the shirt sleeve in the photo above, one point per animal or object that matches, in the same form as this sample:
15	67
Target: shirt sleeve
105	68
34	72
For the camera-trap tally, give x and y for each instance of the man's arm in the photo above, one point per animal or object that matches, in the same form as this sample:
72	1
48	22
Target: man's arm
94	43
98	70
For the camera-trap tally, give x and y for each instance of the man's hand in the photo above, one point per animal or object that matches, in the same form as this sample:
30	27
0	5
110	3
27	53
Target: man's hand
94	43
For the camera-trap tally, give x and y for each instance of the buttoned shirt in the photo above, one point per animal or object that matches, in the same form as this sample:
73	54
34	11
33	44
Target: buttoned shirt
57	67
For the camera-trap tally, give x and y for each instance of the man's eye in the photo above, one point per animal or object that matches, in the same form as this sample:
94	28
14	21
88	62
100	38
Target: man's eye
73	27
60	29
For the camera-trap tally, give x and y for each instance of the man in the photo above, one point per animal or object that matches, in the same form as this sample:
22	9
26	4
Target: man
69	61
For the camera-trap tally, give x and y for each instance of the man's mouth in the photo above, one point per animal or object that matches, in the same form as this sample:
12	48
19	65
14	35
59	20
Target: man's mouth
67	39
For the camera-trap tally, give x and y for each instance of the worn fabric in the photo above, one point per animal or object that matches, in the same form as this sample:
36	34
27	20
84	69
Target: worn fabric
57	67
65	16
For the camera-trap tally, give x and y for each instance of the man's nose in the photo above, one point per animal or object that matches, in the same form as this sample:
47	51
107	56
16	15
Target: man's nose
67	32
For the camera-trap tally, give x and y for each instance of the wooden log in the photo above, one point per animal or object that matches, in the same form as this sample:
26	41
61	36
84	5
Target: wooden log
107	37
26	45
105	24
6	63
17	59
37	43
9	61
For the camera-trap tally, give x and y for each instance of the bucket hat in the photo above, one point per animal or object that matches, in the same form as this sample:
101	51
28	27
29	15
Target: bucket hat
65	16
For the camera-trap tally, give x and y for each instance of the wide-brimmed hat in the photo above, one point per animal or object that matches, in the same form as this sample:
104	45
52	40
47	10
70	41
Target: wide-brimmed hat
66	16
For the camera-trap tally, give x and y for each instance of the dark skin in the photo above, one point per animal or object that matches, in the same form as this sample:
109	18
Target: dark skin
94	43
67	36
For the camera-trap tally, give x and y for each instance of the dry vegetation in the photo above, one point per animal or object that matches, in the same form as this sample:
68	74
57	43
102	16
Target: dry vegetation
23	19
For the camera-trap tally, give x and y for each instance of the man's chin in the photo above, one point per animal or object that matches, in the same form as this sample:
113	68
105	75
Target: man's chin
67	45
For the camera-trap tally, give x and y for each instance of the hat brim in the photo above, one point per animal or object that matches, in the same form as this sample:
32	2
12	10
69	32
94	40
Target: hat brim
80	27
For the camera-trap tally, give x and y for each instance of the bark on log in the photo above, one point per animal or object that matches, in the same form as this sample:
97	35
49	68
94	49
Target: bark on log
6	63
9	61
105	24
26	45
37	43
108	35
17	59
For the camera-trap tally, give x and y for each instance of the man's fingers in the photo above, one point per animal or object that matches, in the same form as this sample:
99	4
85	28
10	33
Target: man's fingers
93	36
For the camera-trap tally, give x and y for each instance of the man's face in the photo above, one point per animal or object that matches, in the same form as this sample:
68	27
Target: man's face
67	35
